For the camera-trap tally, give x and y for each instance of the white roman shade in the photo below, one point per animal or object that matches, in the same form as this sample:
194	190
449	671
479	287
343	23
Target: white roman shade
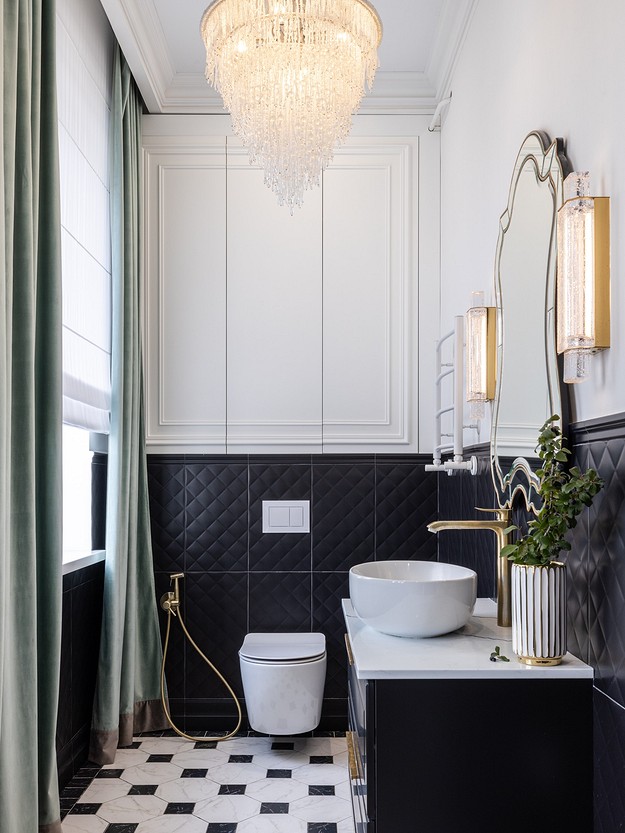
84	70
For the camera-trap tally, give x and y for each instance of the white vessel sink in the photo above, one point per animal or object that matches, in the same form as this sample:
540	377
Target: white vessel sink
413	598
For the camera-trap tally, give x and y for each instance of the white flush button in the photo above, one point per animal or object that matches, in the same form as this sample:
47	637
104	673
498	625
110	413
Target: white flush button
286	516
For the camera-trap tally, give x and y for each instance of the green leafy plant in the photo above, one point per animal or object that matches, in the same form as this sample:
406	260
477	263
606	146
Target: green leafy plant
497	656
564	491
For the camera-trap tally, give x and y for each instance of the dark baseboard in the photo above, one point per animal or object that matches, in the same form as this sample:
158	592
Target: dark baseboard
73	756
213	715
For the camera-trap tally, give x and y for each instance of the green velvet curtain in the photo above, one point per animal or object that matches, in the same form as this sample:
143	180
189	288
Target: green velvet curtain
128	687
30	420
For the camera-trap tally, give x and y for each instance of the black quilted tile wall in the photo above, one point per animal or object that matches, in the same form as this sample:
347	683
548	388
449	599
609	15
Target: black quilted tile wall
278	481
81	623
167	513
606	578
577	564
596	591
609	765
458	497
216	524
343	514
207	522
406	503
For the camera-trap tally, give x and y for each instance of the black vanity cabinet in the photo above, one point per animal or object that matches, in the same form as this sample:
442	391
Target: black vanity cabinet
466	755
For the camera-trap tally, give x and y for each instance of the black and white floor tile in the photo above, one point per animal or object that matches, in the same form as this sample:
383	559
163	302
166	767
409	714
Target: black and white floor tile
242	785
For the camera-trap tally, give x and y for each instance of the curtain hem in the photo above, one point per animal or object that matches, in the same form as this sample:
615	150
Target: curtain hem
148	716
54	827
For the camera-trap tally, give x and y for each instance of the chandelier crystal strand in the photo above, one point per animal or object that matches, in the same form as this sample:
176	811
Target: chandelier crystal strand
291	73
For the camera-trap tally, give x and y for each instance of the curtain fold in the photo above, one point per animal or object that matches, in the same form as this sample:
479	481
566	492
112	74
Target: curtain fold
127	695
30	421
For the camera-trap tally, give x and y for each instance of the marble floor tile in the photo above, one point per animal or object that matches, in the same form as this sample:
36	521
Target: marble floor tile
188	789
84	824
227	808
156	773
273	824
237	773
128	757
320	774
195	758
160	746
278	759
132	809
252	784
321	808
172	824
105	789
277	789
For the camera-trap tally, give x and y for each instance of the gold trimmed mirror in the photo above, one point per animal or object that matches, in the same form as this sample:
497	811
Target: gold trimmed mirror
528	386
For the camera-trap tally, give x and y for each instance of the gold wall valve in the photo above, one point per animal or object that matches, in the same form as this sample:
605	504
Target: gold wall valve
170	601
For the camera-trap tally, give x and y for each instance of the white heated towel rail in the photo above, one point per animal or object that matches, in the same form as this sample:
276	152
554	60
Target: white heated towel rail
450	441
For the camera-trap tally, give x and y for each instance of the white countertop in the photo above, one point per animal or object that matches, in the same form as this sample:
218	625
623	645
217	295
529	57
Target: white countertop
462	654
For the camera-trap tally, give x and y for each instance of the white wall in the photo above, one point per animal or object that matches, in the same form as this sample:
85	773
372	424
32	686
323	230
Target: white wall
557	66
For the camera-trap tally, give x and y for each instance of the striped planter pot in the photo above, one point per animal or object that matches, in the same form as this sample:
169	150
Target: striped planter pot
539	613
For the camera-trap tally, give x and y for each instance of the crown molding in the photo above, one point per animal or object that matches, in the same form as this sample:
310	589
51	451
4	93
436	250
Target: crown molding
452	30
139	32
138	29
393	92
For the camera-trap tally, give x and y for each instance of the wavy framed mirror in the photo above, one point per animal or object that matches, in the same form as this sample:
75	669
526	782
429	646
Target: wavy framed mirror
528	388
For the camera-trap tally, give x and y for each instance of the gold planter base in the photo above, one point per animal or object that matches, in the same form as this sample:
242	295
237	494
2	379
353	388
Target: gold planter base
541	661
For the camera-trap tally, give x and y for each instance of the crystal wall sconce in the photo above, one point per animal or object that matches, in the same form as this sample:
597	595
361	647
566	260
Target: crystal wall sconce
480	326
583	277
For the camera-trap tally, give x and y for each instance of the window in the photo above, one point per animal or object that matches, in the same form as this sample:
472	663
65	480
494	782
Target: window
76	493
85	45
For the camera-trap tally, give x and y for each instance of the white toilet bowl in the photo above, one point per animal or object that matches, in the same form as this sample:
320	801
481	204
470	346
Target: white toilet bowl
283	679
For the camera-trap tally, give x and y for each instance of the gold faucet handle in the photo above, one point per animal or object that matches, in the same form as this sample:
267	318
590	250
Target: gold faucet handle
500	514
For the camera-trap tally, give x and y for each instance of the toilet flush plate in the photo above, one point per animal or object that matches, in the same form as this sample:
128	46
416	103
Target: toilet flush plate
286	516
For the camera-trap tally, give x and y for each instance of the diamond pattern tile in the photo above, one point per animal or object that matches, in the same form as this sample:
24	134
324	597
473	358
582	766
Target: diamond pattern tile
343	515
607	570
216	516
609	777
216	617
166	489
278	482
280	602
406	501
328	590
577	564
174	661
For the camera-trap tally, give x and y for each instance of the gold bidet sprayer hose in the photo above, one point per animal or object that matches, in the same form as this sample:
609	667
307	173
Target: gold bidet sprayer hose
170	602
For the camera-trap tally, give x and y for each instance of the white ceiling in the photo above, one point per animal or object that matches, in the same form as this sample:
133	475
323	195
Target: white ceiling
161	41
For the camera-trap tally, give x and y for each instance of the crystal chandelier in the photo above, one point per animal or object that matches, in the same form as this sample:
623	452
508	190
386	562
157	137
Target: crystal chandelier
291	73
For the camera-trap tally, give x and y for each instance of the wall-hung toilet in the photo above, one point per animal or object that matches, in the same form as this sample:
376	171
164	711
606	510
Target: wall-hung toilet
283	679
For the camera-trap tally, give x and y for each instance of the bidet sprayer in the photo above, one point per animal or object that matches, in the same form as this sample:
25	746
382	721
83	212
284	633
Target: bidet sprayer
170	601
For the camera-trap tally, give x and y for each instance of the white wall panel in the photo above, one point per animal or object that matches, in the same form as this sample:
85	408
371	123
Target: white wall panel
368	284
186	276
344	272
274	315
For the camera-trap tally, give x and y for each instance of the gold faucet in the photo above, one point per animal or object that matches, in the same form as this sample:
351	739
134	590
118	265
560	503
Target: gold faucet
499	526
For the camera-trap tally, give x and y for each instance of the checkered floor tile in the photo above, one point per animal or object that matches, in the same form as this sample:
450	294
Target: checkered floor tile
244	785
